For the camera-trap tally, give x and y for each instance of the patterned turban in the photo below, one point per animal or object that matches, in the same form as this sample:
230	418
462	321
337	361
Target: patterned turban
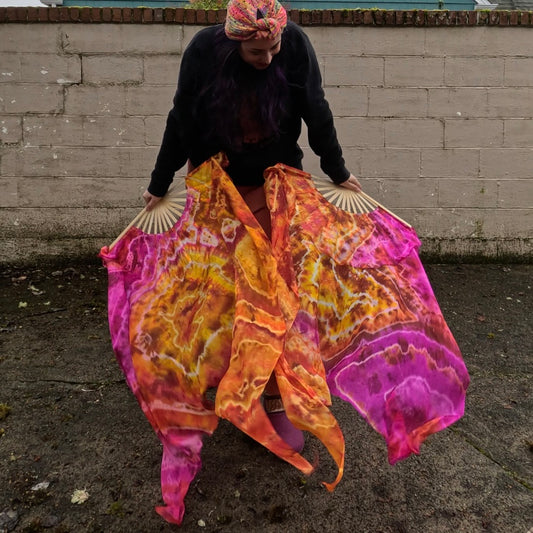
254	19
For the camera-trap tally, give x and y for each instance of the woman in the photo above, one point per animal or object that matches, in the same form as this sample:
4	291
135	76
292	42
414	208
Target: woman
262	289
244	90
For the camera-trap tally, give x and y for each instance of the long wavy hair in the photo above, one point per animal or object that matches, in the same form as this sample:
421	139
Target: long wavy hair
232	82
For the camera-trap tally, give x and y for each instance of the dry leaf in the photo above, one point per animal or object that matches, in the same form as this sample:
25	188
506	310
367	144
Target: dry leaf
79	496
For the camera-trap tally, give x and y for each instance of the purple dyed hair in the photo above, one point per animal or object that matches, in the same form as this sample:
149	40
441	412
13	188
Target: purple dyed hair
232	81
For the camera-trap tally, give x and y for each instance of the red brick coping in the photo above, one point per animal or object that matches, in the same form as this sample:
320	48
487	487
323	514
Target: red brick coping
326	17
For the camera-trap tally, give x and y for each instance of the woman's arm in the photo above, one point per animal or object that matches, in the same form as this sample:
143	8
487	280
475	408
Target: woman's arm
316	113
174	150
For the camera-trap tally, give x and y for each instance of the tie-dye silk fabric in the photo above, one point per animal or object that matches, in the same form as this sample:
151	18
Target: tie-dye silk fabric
334	303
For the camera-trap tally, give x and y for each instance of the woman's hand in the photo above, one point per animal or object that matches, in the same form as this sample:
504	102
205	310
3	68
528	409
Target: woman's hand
352	183
150	200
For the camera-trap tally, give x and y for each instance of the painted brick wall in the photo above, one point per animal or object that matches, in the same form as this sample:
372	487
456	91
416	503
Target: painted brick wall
434	111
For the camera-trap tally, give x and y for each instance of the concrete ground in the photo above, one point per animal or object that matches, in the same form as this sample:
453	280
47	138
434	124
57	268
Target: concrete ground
69	423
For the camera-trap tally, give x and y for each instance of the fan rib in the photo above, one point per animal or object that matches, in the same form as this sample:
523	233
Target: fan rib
371	206
360	205
174	212
155	221
169	221
158	225
350	203
342	200
355	204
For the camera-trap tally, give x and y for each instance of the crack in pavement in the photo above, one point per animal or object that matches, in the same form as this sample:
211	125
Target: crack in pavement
508	471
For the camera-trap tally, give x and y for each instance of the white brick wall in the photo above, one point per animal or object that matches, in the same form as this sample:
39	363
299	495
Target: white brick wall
437	123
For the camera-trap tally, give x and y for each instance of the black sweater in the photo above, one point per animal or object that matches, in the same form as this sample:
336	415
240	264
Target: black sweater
186	137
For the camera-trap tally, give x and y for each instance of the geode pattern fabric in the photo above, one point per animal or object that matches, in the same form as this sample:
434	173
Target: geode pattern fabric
334	303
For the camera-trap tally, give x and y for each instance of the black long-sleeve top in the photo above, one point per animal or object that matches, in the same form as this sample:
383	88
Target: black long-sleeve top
186	136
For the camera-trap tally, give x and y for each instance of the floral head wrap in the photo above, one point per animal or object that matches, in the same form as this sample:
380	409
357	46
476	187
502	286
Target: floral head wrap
254	19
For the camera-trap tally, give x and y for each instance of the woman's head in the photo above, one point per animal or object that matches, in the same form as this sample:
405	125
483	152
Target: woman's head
259	52
254	20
